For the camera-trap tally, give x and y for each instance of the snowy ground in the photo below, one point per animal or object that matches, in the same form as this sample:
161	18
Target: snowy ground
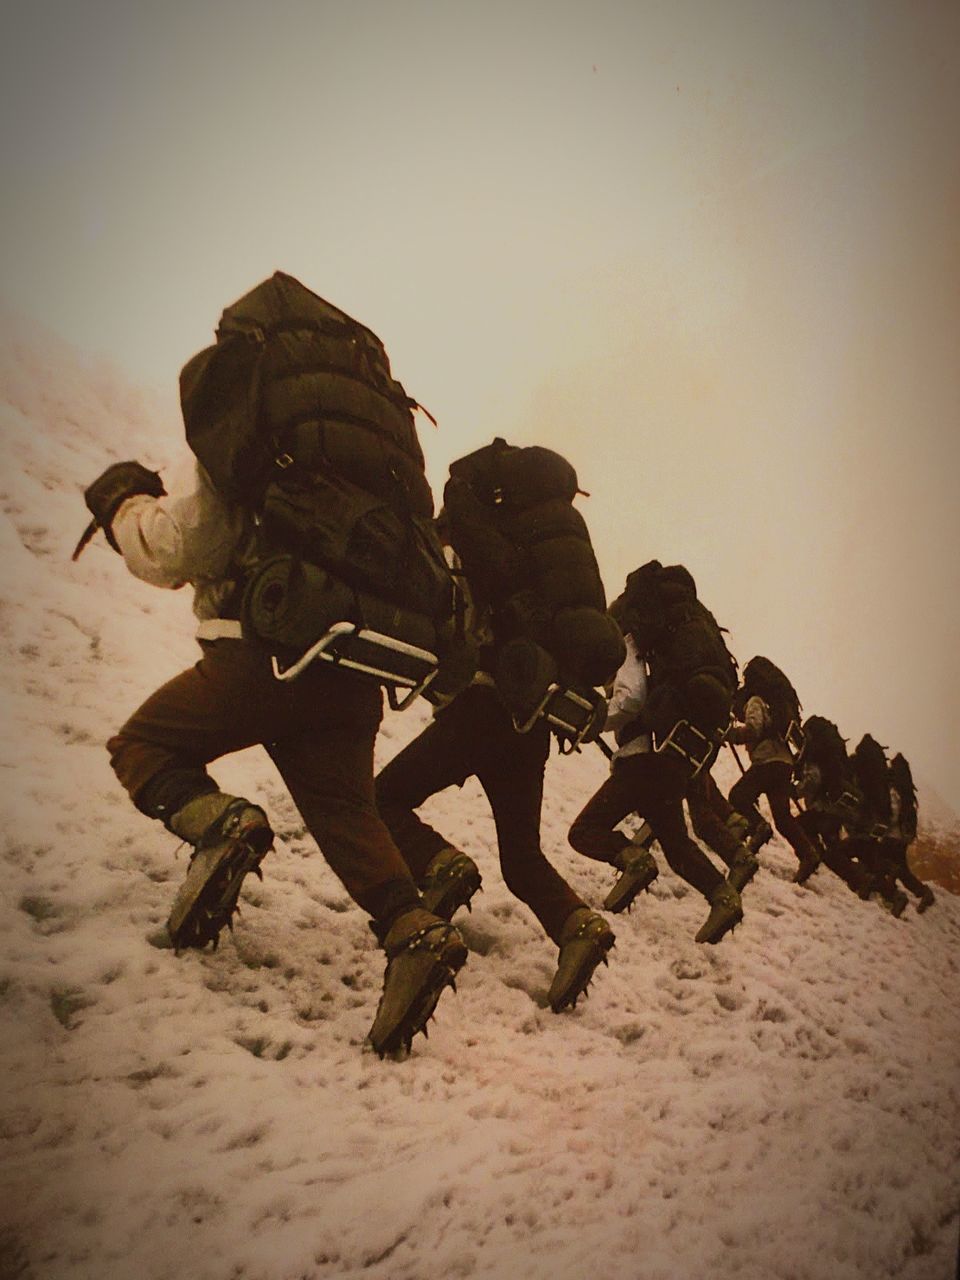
785	1106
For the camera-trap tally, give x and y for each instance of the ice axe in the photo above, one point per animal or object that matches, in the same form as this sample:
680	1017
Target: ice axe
107	494
736	755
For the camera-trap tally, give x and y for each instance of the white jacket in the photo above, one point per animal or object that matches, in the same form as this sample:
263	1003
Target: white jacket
628	700
190	535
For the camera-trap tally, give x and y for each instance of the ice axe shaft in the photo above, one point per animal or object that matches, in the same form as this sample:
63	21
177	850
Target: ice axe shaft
736	756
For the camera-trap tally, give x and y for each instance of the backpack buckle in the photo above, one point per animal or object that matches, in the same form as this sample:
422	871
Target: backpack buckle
690	743
394	662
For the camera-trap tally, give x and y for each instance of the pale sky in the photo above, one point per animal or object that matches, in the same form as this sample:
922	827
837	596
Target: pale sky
708	250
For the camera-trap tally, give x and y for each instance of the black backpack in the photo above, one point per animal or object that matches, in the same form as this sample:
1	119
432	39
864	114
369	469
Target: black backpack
825	747
763	679
901	780
693	675
526	552
872	777
295	415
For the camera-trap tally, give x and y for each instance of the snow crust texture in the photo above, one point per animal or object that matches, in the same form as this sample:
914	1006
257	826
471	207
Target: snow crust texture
784	1106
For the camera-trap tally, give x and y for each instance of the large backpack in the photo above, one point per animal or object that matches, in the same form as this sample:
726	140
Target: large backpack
295	415
763	679
901	780
693	675
526	552
872	776
825	747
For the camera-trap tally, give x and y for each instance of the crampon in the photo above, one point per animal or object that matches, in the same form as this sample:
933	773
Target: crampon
451	880
638	870
584	943
207	899
424	956
726	912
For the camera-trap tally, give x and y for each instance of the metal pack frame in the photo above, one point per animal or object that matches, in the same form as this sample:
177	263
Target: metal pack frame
372	653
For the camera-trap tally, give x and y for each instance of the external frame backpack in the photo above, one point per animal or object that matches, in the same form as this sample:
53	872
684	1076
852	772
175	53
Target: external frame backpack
295	415
871	773
826	748
901	780
526	552
764	679
693	675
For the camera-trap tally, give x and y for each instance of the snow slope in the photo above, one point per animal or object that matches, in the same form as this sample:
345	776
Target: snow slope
785	1106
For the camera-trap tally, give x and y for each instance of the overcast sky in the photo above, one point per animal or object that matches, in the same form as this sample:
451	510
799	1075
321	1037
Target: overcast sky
708	250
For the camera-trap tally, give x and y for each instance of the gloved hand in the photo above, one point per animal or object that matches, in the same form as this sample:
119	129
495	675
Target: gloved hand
120	481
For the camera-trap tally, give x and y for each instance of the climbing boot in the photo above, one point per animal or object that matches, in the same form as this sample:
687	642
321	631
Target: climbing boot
863	885
584	942
760	836
896	903
744	867
738	826
925	900
638	870
808	865
450	881
424	955
726	911
230	838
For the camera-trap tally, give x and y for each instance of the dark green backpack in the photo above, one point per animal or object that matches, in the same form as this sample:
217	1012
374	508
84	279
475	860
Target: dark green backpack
872	777
763	679
825	747
526	552
901	780
295	415
692	673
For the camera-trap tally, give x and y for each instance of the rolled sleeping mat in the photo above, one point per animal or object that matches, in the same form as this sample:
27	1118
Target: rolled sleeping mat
289	604
524	673
588	645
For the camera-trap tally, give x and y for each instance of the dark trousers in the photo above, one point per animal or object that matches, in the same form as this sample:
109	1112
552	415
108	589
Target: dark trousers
709	811
319	730
771	779
824	831
871	856
652	786
474	736
895	855
886	862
